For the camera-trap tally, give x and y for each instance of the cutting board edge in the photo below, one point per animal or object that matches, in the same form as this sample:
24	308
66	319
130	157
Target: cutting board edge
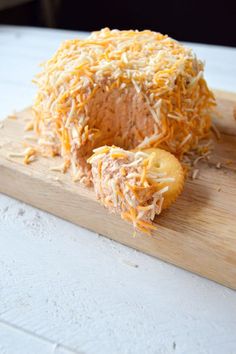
141	243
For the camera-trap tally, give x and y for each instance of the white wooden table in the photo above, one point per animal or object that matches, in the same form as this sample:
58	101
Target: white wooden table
64	289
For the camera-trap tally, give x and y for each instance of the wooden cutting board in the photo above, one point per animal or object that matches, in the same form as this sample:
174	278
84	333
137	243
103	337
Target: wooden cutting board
197	233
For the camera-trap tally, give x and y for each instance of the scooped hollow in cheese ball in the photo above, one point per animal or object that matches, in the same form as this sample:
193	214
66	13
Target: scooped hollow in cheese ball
136	184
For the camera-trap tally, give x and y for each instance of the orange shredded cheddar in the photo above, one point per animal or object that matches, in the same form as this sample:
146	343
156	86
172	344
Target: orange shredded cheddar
139	90
164	73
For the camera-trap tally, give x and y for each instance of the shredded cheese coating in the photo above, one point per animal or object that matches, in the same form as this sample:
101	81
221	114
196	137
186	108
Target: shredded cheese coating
153	70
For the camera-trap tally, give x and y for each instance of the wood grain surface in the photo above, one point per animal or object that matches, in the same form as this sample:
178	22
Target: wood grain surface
197	233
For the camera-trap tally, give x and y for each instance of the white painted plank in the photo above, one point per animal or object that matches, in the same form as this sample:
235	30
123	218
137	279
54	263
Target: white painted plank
15	341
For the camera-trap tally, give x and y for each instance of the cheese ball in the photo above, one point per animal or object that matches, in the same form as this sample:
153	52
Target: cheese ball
133	89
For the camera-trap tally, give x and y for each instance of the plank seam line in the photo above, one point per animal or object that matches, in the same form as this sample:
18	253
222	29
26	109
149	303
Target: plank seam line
38	336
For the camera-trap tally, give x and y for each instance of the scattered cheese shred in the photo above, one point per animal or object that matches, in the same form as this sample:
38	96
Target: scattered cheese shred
28	154
195	173
29	126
